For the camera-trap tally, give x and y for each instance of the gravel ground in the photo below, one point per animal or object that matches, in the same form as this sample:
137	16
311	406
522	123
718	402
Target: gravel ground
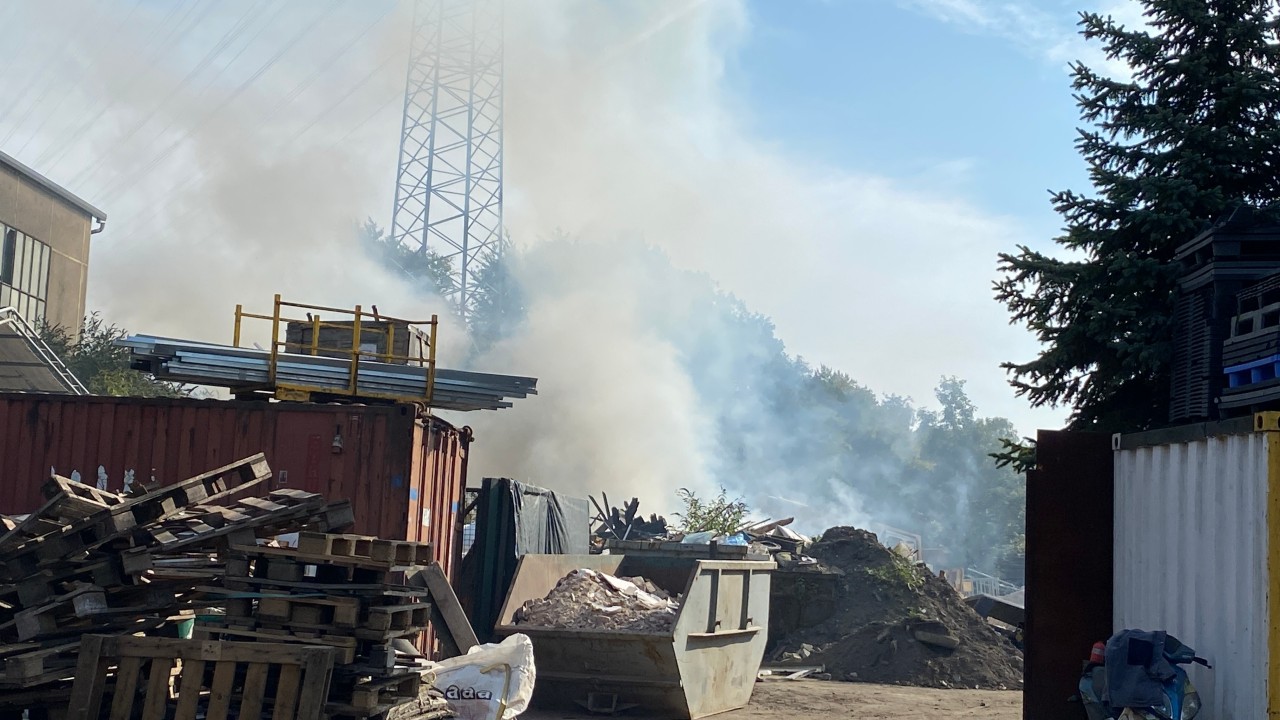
817	700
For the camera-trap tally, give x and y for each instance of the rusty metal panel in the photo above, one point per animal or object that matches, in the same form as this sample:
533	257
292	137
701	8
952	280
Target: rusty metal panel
437	489
1191	558
376	456
1069	567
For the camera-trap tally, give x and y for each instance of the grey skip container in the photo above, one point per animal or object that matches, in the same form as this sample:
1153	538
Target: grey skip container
705	664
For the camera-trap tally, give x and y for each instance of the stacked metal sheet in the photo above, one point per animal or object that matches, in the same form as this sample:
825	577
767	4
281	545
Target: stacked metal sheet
247	369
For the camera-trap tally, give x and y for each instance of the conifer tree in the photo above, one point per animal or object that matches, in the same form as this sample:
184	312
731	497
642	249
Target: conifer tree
1193	132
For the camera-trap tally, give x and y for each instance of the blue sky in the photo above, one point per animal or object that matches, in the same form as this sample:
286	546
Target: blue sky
876	85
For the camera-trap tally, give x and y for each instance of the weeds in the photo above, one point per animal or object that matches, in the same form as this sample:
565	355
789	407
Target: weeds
898	572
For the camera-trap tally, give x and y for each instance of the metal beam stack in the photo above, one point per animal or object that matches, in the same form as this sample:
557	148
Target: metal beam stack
246	370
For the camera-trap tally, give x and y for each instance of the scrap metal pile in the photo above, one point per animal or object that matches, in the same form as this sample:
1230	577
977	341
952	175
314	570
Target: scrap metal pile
99	587
625	529
590	600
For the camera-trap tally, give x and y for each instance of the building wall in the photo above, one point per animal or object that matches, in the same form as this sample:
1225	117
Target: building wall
28	208
1192	522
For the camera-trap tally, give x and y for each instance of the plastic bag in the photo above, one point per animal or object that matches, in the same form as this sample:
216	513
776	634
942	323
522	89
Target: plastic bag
705	538
491	682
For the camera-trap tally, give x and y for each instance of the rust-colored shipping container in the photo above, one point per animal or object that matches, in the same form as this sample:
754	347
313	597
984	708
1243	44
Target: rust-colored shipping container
404	472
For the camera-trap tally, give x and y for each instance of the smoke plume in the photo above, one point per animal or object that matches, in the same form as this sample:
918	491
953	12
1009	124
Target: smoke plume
236	144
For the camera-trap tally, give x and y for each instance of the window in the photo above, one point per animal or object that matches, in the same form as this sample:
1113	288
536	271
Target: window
24	274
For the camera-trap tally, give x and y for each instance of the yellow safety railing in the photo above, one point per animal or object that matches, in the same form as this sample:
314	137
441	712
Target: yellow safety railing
357	322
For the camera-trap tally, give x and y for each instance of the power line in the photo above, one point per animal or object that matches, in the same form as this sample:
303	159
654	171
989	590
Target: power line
363	81
19	50
39	79
323	68
228	37
164	154
159	43
80	77
314	121
399	96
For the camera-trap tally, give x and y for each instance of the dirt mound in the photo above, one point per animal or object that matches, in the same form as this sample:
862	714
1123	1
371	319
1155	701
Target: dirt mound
898	623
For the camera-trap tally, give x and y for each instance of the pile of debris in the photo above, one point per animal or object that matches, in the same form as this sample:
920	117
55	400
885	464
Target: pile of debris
590	600
896	622
89	570
626	523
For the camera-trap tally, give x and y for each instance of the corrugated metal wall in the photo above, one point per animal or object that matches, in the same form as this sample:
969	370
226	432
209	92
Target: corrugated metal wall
391	464
440	466
1191	558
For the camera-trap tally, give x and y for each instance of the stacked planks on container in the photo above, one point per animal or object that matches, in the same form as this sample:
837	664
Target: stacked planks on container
91	561
339	591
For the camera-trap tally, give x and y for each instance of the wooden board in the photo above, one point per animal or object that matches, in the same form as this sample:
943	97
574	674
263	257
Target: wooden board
449	620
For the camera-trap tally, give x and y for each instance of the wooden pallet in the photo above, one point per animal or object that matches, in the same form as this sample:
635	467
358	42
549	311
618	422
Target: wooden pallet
345	648
311	558
374	697
384	552
361	632
116	522
43	703
66	501
88	604
241	583
30	664
407	617
299	694
336	612
241	521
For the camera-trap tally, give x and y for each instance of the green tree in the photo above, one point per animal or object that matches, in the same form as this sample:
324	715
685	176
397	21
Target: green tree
499	303
722	515
425	266
1194	132
960	498
102	365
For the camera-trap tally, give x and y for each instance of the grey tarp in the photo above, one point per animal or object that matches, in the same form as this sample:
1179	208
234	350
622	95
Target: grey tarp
515	519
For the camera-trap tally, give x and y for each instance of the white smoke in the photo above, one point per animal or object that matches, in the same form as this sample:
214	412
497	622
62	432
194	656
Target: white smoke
233	180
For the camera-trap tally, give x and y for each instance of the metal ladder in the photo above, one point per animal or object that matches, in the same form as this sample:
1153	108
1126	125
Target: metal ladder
11	317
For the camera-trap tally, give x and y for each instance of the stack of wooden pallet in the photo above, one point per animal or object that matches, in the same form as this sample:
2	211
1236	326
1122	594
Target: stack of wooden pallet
149	561
339	591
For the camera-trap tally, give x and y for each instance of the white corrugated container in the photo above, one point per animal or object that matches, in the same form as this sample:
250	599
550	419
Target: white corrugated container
1192	557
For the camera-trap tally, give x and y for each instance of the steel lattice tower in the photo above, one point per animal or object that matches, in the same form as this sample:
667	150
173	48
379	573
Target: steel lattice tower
449	181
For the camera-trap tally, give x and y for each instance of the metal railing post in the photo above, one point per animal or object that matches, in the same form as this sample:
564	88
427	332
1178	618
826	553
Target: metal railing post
275	340
431	359
355	352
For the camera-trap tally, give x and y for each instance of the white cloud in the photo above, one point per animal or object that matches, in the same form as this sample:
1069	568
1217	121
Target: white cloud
1048	34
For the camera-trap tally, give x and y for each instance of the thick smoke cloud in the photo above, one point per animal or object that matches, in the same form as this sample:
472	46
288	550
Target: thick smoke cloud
235	175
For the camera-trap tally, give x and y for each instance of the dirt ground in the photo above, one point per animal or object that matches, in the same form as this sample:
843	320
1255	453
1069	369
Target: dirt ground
817	700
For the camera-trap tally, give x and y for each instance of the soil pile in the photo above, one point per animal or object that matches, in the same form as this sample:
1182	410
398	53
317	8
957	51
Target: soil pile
589	600
896	622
